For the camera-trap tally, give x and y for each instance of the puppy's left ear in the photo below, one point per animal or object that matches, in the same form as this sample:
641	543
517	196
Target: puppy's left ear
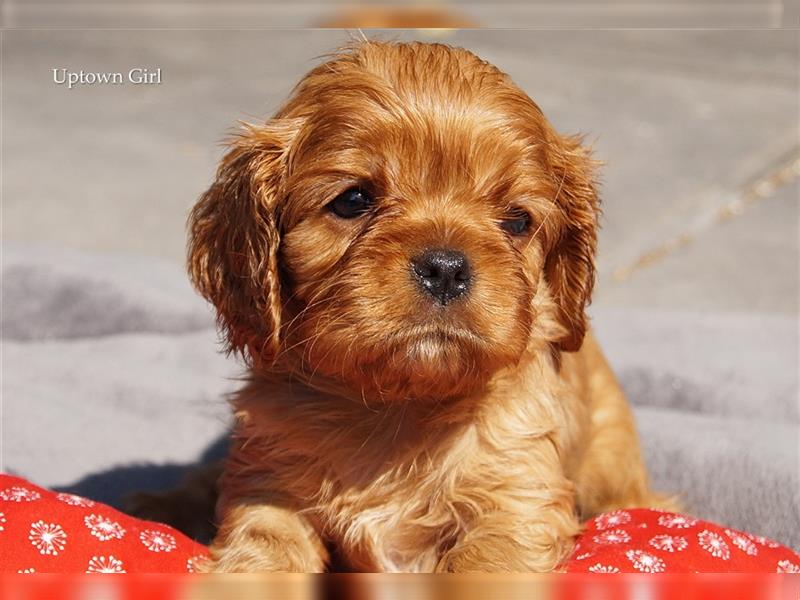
234	240
570	266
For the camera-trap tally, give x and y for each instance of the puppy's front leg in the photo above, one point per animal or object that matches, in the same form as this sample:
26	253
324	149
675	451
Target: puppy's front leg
257	537
526	525
514	543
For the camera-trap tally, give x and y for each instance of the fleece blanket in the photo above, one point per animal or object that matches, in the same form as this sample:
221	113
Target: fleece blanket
113	382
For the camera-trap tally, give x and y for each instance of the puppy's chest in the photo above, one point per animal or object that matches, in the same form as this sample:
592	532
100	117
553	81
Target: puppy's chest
389	496
399	515
399	528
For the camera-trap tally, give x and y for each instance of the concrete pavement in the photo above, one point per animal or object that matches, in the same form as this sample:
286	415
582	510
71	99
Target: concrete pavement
686	121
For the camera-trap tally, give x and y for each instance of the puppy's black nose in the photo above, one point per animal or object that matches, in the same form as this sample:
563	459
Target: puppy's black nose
444	274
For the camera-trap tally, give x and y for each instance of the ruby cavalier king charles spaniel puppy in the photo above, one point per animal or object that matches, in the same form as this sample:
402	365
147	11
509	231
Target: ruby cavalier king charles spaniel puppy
403	256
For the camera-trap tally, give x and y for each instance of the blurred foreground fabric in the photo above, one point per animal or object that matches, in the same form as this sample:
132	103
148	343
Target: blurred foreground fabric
47	532
113	382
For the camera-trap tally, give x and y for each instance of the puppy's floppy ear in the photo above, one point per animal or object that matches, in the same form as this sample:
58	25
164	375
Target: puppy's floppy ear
234	239
570	267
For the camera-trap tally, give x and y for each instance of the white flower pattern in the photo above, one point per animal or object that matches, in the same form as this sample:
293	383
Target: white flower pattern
105	564
713	544
669	543
760	539
741	541
17	493
191	563
598	568
614	518
2	521
157	541
613	536
673	521
787	566
103	528
74	500
47	538
646	562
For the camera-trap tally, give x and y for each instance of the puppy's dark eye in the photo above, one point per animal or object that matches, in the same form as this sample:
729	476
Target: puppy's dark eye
351	203
517	222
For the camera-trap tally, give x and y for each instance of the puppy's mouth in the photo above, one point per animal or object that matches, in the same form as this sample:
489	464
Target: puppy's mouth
427	361
437	335
438	350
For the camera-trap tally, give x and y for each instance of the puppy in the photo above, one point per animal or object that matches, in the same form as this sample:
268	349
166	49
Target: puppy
403	256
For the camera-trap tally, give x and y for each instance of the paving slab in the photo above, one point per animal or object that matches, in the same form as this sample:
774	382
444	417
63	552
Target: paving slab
746	263
484	13
684	121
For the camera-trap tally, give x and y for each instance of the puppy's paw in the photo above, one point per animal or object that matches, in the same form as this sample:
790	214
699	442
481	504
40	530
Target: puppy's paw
509	557
255	560
474	558
461	560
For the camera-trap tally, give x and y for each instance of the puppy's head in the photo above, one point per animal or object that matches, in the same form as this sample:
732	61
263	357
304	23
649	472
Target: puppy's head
404	227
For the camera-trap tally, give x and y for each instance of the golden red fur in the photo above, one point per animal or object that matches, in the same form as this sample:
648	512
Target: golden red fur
381	429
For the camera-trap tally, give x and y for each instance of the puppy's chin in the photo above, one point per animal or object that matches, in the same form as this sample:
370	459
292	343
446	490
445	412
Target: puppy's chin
439	348
429	367
423	364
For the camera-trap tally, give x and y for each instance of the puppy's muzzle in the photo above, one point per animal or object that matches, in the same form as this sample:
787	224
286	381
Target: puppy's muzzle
444	274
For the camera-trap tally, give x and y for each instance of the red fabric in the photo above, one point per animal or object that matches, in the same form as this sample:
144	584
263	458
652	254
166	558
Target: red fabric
47	532
652	541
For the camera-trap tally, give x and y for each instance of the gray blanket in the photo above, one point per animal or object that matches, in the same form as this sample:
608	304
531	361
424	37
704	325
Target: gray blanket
112	382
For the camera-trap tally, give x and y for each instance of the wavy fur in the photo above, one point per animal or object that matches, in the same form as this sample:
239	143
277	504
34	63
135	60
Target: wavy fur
378	432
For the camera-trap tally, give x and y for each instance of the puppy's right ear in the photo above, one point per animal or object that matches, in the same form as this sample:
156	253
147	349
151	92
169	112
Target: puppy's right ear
234	240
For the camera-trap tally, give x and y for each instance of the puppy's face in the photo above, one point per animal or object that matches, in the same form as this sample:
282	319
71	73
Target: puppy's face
388	232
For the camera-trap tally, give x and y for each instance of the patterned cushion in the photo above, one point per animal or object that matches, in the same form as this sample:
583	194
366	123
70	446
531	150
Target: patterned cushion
48	532
652	541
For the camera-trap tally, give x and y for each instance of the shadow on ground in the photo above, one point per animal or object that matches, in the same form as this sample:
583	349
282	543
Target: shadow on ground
113	485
